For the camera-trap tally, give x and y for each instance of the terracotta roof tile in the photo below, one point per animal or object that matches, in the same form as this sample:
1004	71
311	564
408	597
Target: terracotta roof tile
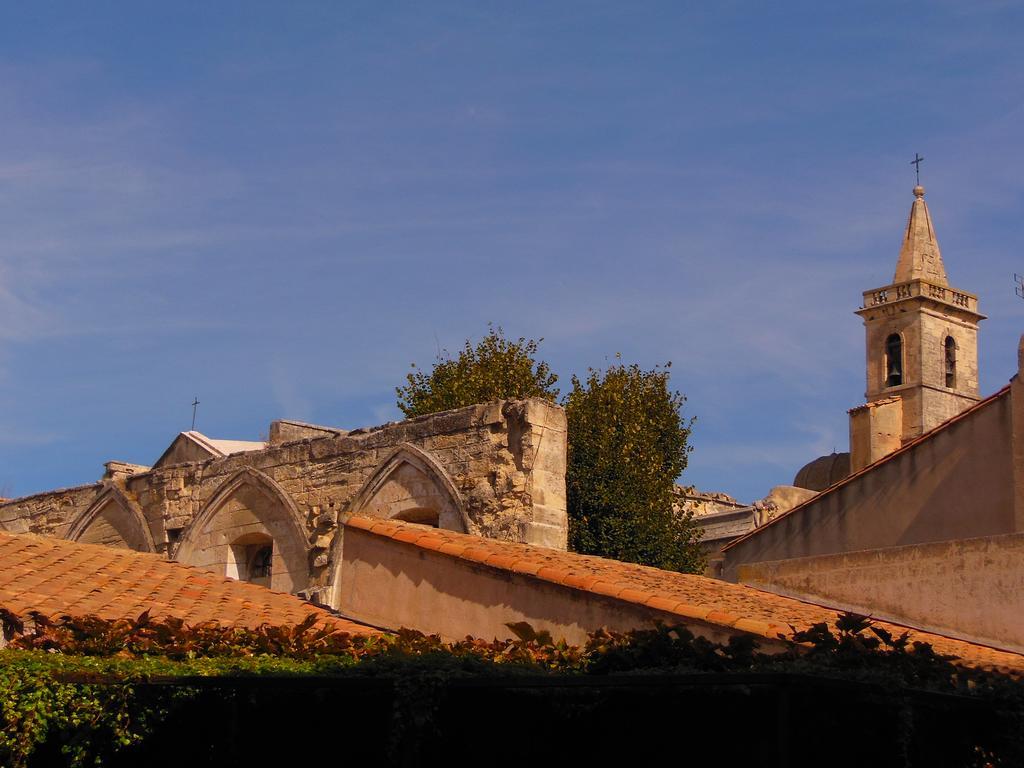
634	596
687	596
57	577
501	560
452	549
553	573
608	588
430	542
661	603
409	536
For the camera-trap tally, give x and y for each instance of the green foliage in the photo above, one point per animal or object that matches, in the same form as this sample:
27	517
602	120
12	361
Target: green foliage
80	684
40	704
627	444
495	369
171	637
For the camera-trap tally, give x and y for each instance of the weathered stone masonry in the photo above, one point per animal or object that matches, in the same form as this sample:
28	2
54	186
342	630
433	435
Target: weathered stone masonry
495	470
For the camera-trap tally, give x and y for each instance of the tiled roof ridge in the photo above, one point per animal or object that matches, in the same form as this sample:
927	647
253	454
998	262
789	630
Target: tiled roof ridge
60	577
888	457
54	543
529	561
429	538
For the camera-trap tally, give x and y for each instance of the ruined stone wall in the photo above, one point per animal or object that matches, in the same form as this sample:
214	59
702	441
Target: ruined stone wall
49	513
496	470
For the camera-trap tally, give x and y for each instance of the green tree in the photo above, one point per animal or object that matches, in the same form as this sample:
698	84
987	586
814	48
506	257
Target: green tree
628	442
495	369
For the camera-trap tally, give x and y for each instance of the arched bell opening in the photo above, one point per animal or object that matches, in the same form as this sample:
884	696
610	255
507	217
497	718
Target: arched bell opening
894	361
949	359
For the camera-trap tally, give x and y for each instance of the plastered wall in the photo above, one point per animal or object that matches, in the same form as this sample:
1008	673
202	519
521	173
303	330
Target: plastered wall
970	588
388	583
958	482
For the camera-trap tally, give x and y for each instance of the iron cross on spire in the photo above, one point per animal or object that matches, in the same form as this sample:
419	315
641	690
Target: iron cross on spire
916	162
195	405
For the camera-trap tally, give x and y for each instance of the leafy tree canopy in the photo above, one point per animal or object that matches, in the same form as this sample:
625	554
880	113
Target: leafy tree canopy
495	369
628	442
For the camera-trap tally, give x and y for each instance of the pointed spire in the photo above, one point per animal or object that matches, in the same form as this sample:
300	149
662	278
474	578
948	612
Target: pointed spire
920	258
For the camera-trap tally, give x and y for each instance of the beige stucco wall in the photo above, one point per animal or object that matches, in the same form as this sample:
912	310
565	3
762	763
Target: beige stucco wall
971	588
957	483
495	470
391	584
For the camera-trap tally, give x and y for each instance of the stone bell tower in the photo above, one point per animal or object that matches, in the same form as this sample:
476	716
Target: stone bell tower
922	347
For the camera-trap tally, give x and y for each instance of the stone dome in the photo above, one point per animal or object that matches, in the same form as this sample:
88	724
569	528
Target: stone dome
823	472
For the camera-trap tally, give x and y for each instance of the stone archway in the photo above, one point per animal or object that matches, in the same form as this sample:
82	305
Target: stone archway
249	507
408	485
113	520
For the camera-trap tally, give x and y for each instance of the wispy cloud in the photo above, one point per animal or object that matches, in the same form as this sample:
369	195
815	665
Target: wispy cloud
22	319
282	214
285	386
19	439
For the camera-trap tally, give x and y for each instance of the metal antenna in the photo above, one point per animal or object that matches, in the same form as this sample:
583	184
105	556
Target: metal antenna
916	162
195	406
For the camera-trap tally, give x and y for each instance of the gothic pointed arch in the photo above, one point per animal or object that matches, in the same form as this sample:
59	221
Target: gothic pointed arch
115	520
409	484
249	511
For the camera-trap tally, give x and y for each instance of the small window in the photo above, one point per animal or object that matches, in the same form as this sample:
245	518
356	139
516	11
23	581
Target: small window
893	361
261	563
251	558
949	350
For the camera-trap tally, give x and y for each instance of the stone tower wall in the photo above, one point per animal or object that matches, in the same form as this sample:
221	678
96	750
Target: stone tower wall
923	324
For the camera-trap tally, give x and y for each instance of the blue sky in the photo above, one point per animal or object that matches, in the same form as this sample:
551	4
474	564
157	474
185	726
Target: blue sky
278	207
